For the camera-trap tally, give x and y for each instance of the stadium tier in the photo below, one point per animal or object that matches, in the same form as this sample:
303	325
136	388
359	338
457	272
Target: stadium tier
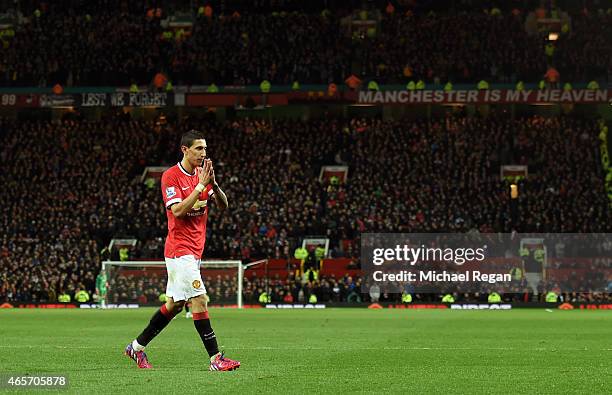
438	175
125	43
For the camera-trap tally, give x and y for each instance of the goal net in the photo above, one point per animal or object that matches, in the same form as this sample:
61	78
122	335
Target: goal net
143	282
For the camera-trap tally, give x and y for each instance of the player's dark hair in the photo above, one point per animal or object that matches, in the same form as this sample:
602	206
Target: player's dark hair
188	138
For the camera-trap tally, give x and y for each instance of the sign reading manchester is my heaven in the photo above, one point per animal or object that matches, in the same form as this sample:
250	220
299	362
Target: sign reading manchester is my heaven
485	96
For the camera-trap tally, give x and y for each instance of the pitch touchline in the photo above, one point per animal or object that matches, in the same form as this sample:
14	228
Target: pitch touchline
418	348
263	348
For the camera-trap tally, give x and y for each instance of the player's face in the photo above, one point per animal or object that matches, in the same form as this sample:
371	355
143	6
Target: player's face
196	153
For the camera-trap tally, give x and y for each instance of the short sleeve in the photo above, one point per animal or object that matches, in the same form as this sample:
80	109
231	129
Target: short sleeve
171	191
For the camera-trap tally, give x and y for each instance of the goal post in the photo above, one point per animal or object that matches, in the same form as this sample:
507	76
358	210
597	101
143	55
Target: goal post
254	265
131	281
152	275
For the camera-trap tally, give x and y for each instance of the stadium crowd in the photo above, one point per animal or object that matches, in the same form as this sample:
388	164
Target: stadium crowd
78	44
457	48
222	289
70	186
585	54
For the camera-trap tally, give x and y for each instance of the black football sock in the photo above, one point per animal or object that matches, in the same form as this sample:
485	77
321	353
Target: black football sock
159	321
202	325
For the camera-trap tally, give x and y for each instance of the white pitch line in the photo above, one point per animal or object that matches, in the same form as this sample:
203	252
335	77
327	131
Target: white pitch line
266	348
263	348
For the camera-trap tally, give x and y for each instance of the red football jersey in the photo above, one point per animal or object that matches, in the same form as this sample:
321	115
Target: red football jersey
186	235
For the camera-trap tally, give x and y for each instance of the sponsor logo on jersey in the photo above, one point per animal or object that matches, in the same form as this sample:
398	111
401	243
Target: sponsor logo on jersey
199	204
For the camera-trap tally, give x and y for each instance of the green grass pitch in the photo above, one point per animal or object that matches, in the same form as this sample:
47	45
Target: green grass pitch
320	351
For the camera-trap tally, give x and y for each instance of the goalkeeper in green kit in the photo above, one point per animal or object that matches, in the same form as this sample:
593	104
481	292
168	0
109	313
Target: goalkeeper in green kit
101	288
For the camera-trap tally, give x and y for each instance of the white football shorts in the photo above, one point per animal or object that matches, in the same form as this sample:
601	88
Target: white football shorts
184	278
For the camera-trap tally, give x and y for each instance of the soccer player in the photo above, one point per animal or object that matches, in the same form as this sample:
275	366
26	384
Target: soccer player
186	191
101	288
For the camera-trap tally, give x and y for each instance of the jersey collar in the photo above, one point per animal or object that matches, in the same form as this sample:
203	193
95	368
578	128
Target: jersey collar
185	171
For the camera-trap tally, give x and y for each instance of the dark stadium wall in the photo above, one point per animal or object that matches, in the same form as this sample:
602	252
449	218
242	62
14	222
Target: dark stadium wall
315	111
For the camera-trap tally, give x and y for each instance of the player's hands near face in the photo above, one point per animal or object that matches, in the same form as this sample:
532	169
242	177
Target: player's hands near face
212	174
204	172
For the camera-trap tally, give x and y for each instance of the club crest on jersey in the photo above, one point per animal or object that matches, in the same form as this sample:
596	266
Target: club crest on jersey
196	284
170	192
